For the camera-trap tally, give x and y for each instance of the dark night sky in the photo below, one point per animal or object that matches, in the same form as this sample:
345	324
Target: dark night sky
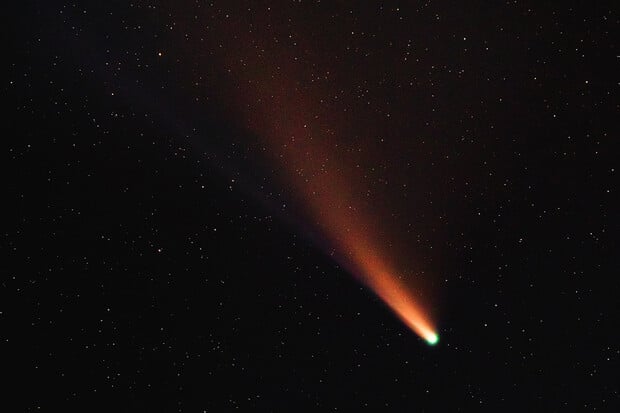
179	178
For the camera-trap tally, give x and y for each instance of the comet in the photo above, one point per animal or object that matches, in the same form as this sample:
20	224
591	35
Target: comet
301	137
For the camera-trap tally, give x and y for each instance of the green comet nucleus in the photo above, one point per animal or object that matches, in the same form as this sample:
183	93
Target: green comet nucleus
432	339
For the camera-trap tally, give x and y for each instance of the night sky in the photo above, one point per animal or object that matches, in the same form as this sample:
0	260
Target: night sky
263	206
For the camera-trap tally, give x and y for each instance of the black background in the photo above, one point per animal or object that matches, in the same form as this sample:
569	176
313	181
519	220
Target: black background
147	265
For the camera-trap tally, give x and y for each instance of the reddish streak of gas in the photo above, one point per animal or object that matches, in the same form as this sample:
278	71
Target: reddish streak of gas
301	137
351	232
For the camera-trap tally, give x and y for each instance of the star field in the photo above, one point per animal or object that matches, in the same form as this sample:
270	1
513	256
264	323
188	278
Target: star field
199	197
